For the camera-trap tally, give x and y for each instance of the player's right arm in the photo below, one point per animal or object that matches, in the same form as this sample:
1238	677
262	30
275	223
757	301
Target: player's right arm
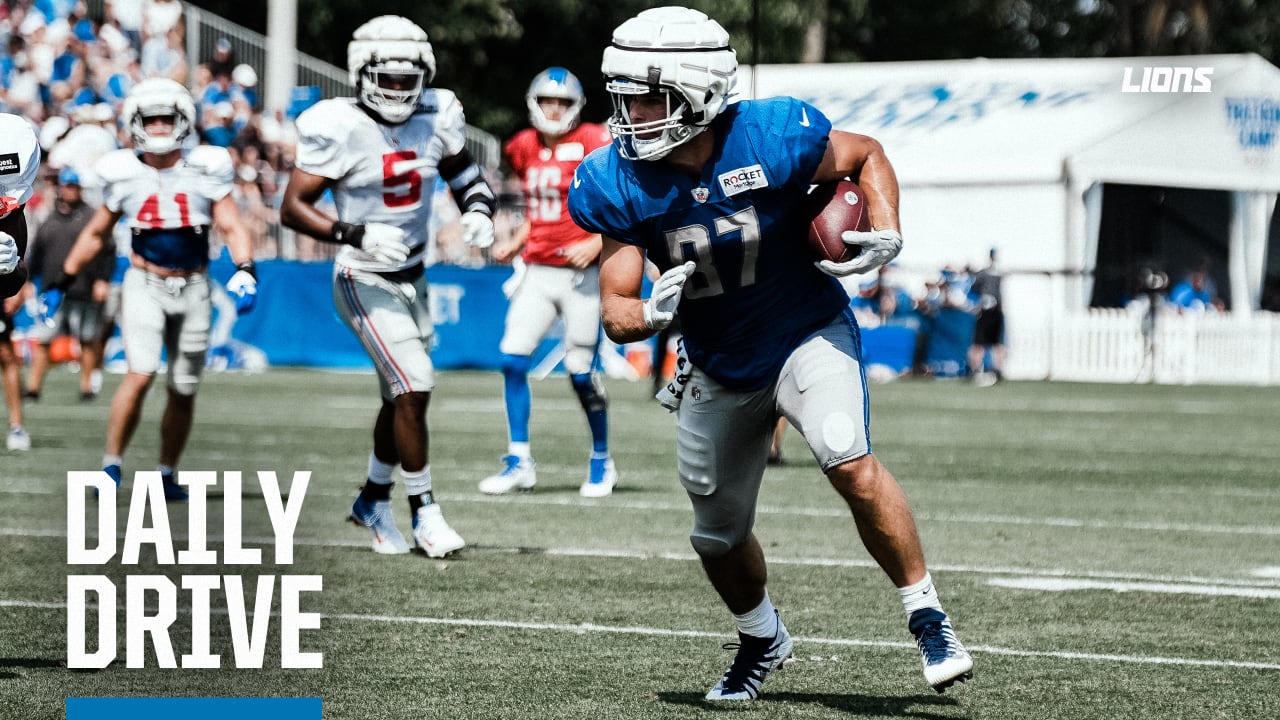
621	275
506	251
92	238
298	210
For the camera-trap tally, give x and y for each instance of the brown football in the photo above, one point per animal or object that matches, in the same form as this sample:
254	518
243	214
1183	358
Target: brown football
832	208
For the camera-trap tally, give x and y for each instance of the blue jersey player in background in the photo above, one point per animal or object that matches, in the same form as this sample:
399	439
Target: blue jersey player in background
711	193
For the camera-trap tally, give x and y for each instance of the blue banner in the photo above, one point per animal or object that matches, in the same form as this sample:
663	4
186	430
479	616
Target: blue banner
193	708
295	322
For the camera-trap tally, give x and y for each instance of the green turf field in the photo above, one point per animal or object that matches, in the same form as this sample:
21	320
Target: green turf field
1105	552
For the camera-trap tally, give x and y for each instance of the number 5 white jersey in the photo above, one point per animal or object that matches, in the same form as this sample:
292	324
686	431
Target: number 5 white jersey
382	173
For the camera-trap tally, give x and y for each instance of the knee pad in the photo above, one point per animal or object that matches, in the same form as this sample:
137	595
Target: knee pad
516	364
709	547
590	391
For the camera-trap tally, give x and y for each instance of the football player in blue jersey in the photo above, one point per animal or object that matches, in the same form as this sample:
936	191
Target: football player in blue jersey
711	193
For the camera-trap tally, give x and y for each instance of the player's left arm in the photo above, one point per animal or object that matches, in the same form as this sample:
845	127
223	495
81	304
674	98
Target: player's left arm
862	159
621	276
226	218
473	195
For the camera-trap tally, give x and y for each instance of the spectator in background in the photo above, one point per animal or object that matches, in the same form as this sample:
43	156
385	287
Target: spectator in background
1195	292
80	314
218	128
163	57
127	14
223	60
160	17
988	330
246	79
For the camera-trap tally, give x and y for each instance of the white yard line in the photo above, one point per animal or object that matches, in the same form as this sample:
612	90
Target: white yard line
1212	585
1068	584
583	628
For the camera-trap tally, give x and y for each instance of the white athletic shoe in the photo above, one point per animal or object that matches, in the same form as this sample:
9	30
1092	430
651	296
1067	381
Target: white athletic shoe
377	516
601	477
517	474
433	535
945	660
18	439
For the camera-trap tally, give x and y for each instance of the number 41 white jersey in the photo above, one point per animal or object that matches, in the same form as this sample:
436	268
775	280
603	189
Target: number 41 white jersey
382	173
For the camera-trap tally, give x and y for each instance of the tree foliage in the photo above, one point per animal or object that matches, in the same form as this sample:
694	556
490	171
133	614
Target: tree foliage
488	50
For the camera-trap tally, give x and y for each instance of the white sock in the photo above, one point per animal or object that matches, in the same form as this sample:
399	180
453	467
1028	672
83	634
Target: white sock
164	469
112	460
522	450
417	483
379	472
920	595
761	622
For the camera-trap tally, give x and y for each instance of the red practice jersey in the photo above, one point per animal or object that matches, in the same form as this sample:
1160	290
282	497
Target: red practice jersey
545	174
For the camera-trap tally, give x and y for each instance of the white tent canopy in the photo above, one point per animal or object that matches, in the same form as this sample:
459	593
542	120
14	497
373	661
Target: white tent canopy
1010	153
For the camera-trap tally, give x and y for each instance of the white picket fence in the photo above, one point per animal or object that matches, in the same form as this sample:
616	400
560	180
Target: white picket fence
1125	346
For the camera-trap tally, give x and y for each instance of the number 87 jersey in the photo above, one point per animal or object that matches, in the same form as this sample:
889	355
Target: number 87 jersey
755	294
382	173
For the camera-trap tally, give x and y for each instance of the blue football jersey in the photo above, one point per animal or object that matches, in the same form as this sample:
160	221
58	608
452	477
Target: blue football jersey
756	294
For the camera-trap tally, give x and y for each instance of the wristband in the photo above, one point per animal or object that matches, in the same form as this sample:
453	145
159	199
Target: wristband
248	267
347	234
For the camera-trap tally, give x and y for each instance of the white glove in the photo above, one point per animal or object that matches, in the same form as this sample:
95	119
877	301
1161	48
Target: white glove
477	229
8	253
385	242
660	308
878	248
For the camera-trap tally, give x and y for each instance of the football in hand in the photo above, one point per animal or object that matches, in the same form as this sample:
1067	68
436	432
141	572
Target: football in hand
832	208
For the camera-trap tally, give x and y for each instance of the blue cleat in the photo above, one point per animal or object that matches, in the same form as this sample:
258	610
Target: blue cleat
112	471
945	660
601	477
173	492
756	658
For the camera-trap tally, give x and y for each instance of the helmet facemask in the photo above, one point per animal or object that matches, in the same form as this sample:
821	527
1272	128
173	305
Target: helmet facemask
390	62
391	88
159	97
649	139
158	143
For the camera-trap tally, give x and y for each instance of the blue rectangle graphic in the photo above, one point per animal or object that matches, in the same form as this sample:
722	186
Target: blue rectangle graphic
194	708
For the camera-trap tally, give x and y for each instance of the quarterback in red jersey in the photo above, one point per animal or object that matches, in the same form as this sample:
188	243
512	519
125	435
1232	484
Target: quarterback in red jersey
556	276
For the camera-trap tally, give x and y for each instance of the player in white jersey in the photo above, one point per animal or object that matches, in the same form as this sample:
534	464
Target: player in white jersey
19	163
381	154
170	199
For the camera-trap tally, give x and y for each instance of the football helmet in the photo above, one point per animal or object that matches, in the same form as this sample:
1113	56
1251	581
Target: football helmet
159	97
555	82
390	61
675	51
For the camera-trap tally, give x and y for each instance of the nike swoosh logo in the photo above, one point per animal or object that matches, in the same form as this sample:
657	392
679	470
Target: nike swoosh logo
804	117
577	183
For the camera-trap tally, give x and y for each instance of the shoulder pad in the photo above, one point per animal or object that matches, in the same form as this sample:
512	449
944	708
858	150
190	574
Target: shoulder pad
117	165
328	120
210	160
